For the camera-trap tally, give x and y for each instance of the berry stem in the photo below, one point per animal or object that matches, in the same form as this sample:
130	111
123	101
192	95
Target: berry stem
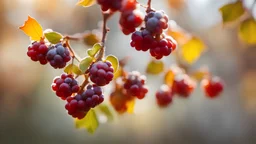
73	54
149	9
84	83
105	30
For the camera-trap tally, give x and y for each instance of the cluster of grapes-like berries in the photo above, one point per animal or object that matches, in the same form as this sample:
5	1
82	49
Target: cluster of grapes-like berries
65	86
101	73
183	85
164	96
80	104
152	38
57	55
37	52
135	85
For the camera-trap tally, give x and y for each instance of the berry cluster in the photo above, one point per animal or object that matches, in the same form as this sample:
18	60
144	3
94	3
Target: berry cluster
79	105
183	85
131	17
101	73
164	96
152	38
37	52
212	86
156	22
65	86
135	85
58	56
119	99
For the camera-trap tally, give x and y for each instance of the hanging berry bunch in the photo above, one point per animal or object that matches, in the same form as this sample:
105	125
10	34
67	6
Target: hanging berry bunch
148	33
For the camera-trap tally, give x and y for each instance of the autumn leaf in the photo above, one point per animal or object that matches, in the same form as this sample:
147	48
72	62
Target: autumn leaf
72	68
155	67
94	50
192	50
179	34
89	122
105	109
232	11
130	106
85	3
33	29
53	37
247	30
114	61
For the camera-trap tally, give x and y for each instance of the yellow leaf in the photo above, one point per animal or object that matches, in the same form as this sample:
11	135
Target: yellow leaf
155	67
85	3
192	50
91	39
170	75
179	34
33	29
247	31
130	106
200	74
105	109
90	122
114	61
232	11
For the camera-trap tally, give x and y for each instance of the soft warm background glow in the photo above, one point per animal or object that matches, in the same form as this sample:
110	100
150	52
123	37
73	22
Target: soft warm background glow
31	113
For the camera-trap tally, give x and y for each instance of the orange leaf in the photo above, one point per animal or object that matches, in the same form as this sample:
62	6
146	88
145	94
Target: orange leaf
32	28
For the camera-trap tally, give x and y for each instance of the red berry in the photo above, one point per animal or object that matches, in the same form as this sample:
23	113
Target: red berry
164	96
212	86
163	47
183	85
65	86
142	40
80	104
113	5
135	85
101	73
37	52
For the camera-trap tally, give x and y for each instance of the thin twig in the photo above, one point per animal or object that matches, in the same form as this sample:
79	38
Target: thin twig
105	30
149	9
84	83
73	54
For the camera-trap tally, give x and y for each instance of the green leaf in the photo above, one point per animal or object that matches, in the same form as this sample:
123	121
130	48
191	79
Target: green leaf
114	61
53	37
94	50
106	111
89	122
232	11
247	31
85	3
155	67
72	68
85	64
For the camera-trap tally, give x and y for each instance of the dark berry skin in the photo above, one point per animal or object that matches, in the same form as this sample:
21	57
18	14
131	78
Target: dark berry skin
183	85
130	20
142	40
65	86
37	52
112	5
164	96
162	47
101	73
156	22
58	56
80	104
135	85
212	86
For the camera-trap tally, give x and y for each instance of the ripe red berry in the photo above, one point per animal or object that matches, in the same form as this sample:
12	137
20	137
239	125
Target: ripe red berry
65	86
183	85
113	5
163	47
156	22
79	105
58	56
101	73
164	96
142	40
37	52
212	86
130	20
135	85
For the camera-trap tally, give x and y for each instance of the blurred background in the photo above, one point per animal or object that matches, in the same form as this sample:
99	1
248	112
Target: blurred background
31	113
